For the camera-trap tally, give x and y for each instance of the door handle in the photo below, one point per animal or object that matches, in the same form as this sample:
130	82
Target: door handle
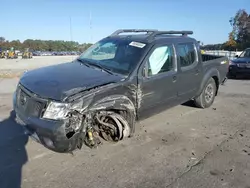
174	78
197	71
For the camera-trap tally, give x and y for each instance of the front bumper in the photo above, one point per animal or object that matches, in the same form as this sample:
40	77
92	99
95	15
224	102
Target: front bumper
49	133
235	70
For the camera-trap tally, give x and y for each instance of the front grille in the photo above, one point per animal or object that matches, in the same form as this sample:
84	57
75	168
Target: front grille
29	105
241	65
244	65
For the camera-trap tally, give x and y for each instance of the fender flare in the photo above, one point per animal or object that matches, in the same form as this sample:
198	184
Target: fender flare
209	74
118	102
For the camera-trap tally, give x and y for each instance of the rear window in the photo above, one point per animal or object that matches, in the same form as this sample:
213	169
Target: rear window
187	54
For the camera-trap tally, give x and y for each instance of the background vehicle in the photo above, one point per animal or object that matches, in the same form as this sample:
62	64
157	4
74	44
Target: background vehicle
27	54
2	54
118	80
11	54
240	65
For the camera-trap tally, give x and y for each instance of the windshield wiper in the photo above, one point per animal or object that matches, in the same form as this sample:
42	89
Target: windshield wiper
83	62
101	67
88	63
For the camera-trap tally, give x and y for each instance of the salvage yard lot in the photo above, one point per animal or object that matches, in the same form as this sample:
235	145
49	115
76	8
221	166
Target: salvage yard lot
180	147
35	62
15	67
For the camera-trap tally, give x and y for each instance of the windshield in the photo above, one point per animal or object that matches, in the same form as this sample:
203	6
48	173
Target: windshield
118	56
246	53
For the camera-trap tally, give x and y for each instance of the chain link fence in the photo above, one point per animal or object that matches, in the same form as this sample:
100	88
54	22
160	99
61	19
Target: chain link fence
229	54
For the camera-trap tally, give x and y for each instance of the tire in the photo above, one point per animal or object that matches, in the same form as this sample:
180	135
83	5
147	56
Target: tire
206	98
131	121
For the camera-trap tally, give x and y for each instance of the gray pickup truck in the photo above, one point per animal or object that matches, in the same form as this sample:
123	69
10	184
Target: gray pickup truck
123	78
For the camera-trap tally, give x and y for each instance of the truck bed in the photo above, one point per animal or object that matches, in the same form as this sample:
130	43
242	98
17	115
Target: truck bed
220	63
208	57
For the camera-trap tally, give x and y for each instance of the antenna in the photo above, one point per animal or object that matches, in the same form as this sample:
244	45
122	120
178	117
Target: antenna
70	27
71	37
90	25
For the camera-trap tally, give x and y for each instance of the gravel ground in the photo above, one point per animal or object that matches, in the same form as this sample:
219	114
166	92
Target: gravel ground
15	67
180	147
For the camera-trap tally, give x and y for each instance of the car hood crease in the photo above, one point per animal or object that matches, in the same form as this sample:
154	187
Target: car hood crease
60	81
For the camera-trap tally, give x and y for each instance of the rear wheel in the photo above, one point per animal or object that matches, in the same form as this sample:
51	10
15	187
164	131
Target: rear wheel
206	98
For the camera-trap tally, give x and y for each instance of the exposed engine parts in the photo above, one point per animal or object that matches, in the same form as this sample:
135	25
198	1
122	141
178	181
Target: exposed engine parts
109	125
112	126
92	140
73	124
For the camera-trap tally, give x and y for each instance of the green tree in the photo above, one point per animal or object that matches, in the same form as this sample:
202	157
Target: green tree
43	45
2	39
241	28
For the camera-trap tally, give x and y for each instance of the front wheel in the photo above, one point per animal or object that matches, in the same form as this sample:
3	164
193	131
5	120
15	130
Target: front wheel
206	98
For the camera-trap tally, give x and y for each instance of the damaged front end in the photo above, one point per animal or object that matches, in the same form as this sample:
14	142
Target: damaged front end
57	126
66	126
109	119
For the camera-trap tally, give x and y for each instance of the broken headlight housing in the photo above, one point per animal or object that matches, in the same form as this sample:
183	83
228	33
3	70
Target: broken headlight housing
56	111
60	111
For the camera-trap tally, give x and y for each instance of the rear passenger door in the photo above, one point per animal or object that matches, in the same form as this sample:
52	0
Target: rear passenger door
190	70
158	79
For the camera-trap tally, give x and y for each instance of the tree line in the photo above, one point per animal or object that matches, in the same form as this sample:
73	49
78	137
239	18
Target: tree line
43	45
239	37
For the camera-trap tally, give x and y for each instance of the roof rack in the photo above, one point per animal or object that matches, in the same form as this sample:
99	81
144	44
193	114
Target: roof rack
183	33
133	31
152	33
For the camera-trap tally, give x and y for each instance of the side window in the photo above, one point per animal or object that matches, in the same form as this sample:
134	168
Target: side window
187	54
161	60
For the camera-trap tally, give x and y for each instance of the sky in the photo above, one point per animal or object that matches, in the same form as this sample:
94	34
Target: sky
50	19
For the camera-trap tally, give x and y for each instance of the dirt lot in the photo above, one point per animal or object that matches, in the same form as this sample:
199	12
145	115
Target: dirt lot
182	147
15	67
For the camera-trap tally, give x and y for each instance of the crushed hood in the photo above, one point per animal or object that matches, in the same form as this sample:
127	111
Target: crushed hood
62	80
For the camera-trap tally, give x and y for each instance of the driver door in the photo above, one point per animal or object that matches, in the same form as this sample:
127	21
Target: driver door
159	80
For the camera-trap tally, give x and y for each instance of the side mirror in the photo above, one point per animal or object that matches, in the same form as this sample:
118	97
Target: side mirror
236	56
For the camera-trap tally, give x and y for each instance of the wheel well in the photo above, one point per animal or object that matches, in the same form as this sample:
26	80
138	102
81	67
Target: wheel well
127	116
123	113
216	79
